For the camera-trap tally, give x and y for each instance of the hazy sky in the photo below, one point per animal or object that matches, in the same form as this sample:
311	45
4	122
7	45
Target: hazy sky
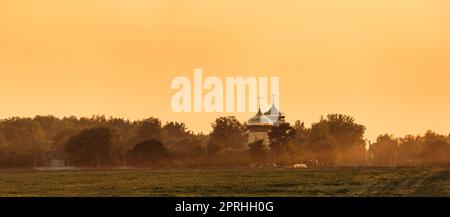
384	62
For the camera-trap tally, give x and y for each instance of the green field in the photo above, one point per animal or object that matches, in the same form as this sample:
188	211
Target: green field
230	182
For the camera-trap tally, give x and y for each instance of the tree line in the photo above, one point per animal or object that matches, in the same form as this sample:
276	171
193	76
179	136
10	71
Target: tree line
334	140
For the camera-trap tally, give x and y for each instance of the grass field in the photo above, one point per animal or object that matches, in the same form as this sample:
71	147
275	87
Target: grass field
230	182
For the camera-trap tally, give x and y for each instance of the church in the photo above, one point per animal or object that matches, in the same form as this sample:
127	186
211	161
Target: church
260	125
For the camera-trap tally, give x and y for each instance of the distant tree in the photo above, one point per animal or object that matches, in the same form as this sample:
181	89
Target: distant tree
334	140
279	138
50	125
436	149
300	139
188	145
27	142
90	122
149	151
409	149
321	145
61	138
345	131
301	132
347	135
323	150
148	129
176	129
385	150
91	147
257	150
124	135
228	132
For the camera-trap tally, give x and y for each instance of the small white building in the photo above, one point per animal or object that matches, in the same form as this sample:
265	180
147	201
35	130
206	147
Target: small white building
56	159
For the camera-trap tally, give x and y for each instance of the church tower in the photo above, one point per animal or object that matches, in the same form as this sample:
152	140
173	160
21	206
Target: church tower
260	125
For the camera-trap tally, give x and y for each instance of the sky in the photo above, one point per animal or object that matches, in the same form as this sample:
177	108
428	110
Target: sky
384	62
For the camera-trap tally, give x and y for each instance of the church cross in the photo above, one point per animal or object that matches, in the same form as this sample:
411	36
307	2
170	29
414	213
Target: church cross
259	98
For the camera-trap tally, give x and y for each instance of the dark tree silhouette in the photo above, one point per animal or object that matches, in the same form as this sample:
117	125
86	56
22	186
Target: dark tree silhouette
257	151
436	149
149	129
344	131
321	145
279	137
385	150
323	149
149	151
91	147
335	140
408	150
228	132
298	143
176	129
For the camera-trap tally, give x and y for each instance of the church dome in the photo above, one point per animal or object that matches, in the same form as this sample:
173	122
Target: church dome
273	111
259	119
274	114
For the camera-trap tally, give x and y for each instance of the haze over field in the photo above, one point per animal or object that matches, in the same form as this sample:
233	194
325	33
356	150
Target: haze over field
386	63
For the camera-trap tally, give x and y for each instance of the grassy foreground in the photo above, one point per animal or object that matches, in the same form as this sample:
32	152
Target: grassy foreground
230	182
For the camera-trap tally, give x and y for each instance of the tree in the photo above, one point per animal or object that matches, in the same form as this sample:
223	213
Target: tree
323	150
228	132
188	145
148	129
279	137
345	131
436	149
257	150
174	133
27	143
60	139
298	143
321	145
50	125
408	150
176	129
91	147
385	150
347	135
123	137
301	133
149	151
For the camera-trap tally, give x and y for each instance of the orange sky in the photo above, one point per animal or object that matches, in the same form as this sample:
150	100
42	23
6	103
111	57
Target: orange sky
386	63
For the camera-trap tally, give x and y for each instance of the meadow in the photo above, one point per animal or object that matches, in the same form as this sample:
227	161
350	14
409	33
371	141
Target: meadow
229	182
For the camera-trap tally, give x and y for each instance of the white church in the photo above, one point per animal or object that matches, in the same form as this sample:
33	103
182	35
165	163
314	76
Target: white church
260	125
